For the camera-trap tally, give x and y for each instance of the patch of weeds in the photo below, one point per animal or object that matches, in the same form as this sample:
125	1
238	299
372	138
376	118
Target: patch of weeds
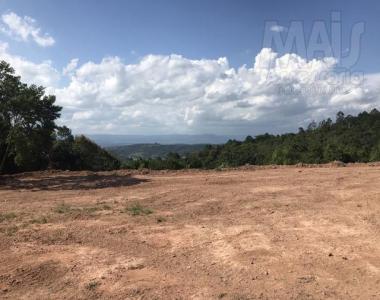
7	216
63	208
92	285
90	210
160	219
40	220
11	230
106	207
137	210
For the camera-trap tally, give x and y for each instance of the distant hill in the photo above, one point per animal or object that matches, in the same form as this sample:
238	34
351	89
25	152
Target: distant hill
110	140
349	139
152	150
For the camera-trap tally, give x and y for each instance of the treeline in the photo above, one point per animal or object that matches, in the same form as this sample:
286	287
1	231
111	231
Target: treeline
348	139
152	150
31	140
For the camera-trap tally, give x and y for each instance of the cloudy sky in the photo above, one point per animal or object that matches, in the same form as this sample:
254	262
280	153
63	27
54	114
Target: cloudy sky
196	67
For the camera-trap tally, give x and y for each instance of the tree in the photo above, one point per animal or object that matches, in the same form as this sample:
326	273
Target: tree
62	155
93	157
375	153
27	122
339	117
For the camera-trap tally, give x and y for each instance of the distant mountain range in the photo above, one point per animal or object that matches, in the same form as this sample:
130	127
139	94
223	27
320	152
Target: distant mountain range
152	150
120	140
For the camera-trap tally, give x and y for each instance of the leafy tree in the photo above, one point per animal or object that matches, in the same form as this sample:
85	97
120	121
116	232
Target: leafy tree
92	157
375	153
62	155
27	123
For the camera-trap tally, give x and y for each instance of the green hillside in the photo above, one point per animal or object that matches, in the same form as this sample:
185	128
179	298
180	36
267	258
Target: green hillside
152	150
348	139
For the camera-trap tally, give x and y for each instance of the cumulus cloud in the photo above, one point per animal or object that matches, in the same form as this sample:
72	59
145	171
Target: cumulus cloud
25	29
174	94
32	73
70	67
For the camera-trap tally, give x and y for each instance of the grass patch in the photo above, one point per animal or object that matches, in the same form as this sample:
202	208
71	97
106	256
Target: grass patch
9	231
40	220
7	216
91	210
137	209
92	285
106	207
63	208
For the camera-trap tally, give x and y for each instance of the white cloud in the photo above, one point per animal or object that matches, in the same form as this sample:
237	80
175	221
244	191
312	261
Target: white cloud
70	67
278	28
32	73
174	94
25	29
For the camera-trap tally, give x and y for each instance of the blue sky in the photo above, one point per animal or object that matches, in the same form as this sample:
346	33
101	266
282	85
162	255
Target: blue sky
104	36
196	29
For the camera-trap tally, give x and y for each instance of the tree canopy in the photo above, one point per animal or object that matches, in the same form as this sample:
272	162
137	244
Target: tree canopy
30	138
27	121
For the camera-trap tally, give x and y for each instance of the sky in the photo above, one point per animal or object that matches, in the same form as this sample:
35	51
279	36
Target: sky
196	67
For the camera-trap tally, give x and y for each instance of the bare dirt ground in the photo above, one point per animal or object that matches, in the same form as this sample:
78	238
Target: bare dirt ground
281	233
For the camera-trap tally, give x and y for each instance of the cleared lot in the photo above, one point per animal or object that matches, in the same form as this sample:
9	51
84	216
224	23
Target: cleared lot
282	233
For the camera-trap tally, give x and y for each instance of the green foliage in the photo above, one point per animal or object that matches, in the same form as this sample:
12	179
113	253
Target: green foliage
147	151
7	216
63	208
39	220
30	139
137	210
93	157
27	123
80	153
349	139
375	153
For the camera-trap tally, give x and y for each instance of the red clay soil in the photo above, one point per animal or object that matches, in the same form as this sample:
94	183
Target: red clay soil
266	233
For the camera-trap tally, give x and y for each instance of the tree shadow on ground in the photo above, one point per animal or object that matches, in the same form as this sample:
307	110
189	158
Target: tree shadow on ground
70	182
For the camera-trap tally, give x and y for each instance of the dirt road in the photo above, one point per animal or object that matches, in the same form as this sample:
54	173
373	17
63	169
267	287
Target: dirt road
285	233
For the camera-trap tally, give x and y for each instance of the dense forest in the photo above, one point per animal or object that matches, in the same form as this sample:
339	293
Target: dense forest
348	139
152	150
30	138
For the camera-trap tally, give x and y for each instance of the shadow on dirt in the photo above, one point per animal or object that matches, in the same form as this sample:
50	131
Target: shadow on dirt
71	182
